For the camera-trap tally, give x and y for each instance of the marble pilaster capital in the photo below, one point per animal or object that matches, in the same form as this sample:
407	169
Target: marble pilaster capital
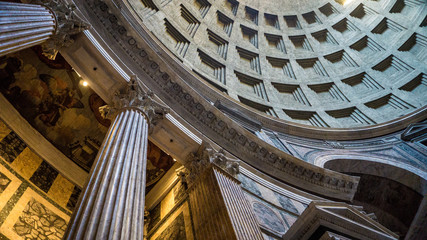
134	97
67	25
205	157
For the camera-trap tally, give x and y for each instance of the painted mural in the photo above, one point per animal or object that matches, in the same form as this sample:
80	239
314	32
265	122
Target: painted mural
268	218
274	211
157	165
50	95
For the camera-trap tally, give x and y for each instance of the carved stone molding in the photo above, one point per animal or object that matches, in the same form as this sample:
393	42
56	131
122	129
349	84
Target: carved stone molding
135	97
203	116
229	165
199	161
216	198
341	218
67	25
414	130
332	236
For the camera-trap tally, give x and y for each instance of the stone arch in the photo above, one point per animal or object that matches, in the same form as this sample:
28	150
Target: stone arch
376	166
390	190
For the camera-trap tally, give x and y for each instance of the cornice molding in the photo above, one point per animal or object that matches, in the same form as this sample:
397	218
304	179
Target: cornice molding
206	156
131	7
135	50
342	218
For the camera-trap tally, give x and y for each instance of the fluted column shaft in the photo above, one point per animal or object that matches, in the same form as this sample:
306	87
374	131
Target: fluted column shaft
220	209
24	25
112	205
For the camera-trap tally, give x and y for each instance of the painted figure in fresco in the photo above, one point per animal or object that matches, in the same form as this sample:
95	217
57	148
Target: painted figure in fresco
8	66
48	95
60	98
52	103
95	102
43	96
157	165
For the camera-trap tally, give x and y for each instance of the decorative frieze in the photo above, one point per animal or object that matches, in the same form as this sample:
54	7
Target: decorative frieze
199	161
234	138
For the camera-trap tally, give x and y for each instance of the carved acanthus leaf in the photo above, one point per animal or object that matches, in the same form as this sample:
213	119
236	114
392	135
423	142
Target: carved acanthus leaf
67	25
135	97
197	162
229	165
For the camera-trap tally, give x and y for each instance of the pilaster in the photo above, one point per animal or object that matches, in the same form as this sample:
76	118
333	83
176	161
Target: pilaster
219	207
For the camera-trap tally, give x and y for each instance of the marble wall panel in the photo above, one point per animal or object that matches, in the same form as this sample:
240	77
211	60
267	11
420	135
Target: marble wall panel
249	185
268	237
271	196
33	217
268	218
11	146
165	209
275	212
4	130
274	220
287	203
176	226
29	166
35	200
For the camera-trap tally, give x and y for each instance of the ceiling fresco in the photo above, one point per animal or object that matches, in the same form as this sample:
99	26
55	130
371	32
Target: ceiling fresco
50	95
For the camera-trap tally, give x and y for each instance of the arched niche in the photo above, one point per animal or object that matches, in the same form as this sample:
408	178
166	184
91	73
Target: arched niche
380	167
393	193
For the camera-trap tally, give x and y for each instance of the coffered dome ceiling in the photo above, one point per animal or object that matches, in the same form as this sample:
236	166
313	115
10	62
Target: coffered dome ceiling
321	63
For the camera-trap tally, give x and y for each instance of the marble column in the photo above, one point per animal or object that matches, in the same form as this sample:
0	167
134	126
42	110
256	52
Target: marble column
112	204
49	23
218	205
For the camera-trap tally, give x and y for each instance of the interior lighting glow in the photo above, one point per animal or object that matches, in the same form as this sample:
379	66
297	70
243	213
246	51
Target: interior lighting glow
346	2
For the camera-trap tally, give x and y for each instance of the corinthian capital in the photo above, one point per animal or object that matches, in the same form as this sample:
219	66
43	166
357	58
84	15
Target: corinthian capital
134	97
229	165
205	156
67	25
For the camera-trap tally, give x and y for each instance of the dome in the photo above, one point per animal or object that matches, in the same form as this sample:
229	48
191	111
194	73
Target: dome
327	64
213	119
